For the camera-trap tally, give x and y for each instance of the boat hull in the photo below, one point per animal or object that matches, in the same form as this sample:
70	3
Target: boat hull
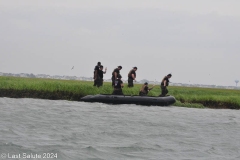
121	99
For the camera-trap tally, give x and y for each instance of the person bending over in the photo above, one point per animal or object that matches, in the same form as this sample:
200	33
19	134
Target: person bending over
132	76
145	89
164	84
115	74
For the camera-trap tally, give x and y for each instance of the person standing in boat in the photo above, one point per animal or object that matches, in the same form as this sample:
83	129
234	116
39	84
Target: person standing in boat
95	73
100	76
132	76
145	89
118	85
115	74
164	84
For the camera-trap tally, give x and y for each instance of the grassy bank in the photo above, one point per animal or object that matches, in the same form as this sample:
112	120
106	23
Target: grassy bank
16	87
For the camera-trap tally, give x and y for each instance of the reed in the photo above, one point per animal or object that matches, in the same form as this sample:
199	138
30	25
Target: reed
18	87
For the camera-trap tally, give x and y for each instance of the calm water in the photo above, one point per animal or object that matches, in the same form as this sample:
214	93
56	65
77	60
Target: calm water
35	129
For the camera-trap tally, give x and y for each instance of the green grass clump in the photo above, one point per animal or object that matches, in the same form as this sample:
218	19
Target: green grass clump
18	87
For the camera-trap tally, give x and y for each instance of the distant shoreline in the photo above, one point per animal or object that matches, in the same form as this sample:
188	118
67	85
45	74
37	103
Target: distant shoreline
73	90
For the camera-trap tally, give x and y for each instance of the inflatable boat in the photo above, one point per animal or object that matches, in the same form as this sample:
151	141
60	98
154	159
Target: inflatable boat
122	99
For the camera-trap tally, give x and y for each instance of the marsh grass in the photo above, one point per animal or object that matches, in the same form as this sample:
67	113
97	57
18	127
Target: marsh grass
18	87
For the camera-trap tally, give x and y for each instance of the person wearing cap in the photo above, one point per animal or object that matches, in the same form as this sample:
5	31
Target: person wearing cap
164	84
132	76
115	74
100	76
145	89
118	85
95	73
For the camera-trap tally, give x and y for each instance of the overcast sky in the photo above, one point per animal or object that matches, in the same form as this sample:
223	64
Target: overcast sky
198	41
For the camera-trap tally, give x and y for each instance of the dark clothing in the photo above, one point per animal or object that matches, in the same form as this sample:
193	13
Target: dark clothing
100	74
165	78
164	88
118	83
96	67
113	82
144	91
95	81
117	71
95	73
130	78
130	82
142	94
132	72
96	70
113	75
164	91
117	91
117	87
99	80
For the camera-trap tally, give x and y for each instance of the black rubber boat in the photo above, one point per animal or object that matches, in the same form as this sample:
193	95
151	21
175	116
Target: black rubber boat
121	99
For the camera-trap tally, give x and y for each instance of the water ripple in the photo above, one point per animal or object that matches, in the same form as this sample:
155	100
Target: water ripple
79	130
